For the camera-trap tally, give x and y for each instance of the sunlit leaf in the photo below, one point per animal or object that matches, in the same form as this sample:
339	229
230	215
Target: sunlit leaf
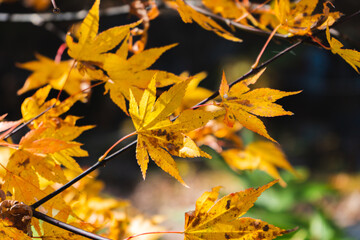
221	219
160	137
352	57
262	155
244	105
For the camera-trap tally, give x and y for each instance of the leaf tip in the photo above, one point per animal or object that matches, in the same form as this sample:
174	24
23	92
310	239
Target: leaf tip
290	230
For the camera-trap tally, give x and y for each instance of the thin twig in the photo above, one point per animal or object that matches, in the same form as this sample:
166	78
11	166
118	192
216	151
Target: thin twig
66	226
252	71
27	122
82	175
236	24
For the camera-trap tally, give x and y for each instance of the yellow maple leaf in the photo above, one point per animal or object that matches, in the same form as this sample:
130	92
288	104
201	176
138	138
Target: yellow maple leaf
352	57
227	8
90	44
242	104
10	233
230	9
188	15
132	73
160	137
216	134
262	155
221	220
298	18
36	104
21	188
58	75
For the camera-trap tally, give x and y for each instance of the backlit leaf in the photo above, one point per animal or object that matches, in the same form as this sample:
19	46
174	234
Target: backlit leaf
59	75
91	45
298	18
188	15
352	57
160	137
262	155
8	232
244	105
132	73
221	220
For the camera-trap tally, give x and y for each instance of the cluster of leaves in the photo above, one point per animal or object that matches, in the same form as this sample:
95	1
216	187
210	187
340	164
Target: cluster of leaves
166	125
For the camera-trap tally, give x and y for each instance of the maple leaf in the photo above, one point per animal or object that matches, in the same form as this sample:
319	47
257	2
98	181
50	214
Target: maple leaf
194	94
59	75
352	57
35	105
221	219
188	15
262	155
132	73
298	18
10	233
36	156
232	10
227	8
91	45
215	132
158	136
242	104
56	132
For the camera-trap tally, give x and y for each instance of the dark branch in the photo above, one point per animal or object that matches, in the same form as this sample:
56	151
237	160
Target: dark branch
252	71
66	226
236	24
21	126
82	175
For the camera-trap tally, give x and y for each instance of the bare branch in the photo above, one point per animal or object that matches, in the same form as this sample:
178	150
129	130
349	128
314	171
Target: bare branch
41	18
66	226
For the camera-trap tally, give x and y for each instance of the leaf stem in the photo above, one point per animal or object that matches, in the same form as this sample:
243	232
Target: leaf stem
66	226
66	80
60	52
264	47
115	144
147	233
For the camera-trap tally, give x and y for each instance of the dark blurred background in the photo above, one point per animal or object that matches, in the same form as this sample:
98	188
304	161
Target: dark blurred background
323	135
